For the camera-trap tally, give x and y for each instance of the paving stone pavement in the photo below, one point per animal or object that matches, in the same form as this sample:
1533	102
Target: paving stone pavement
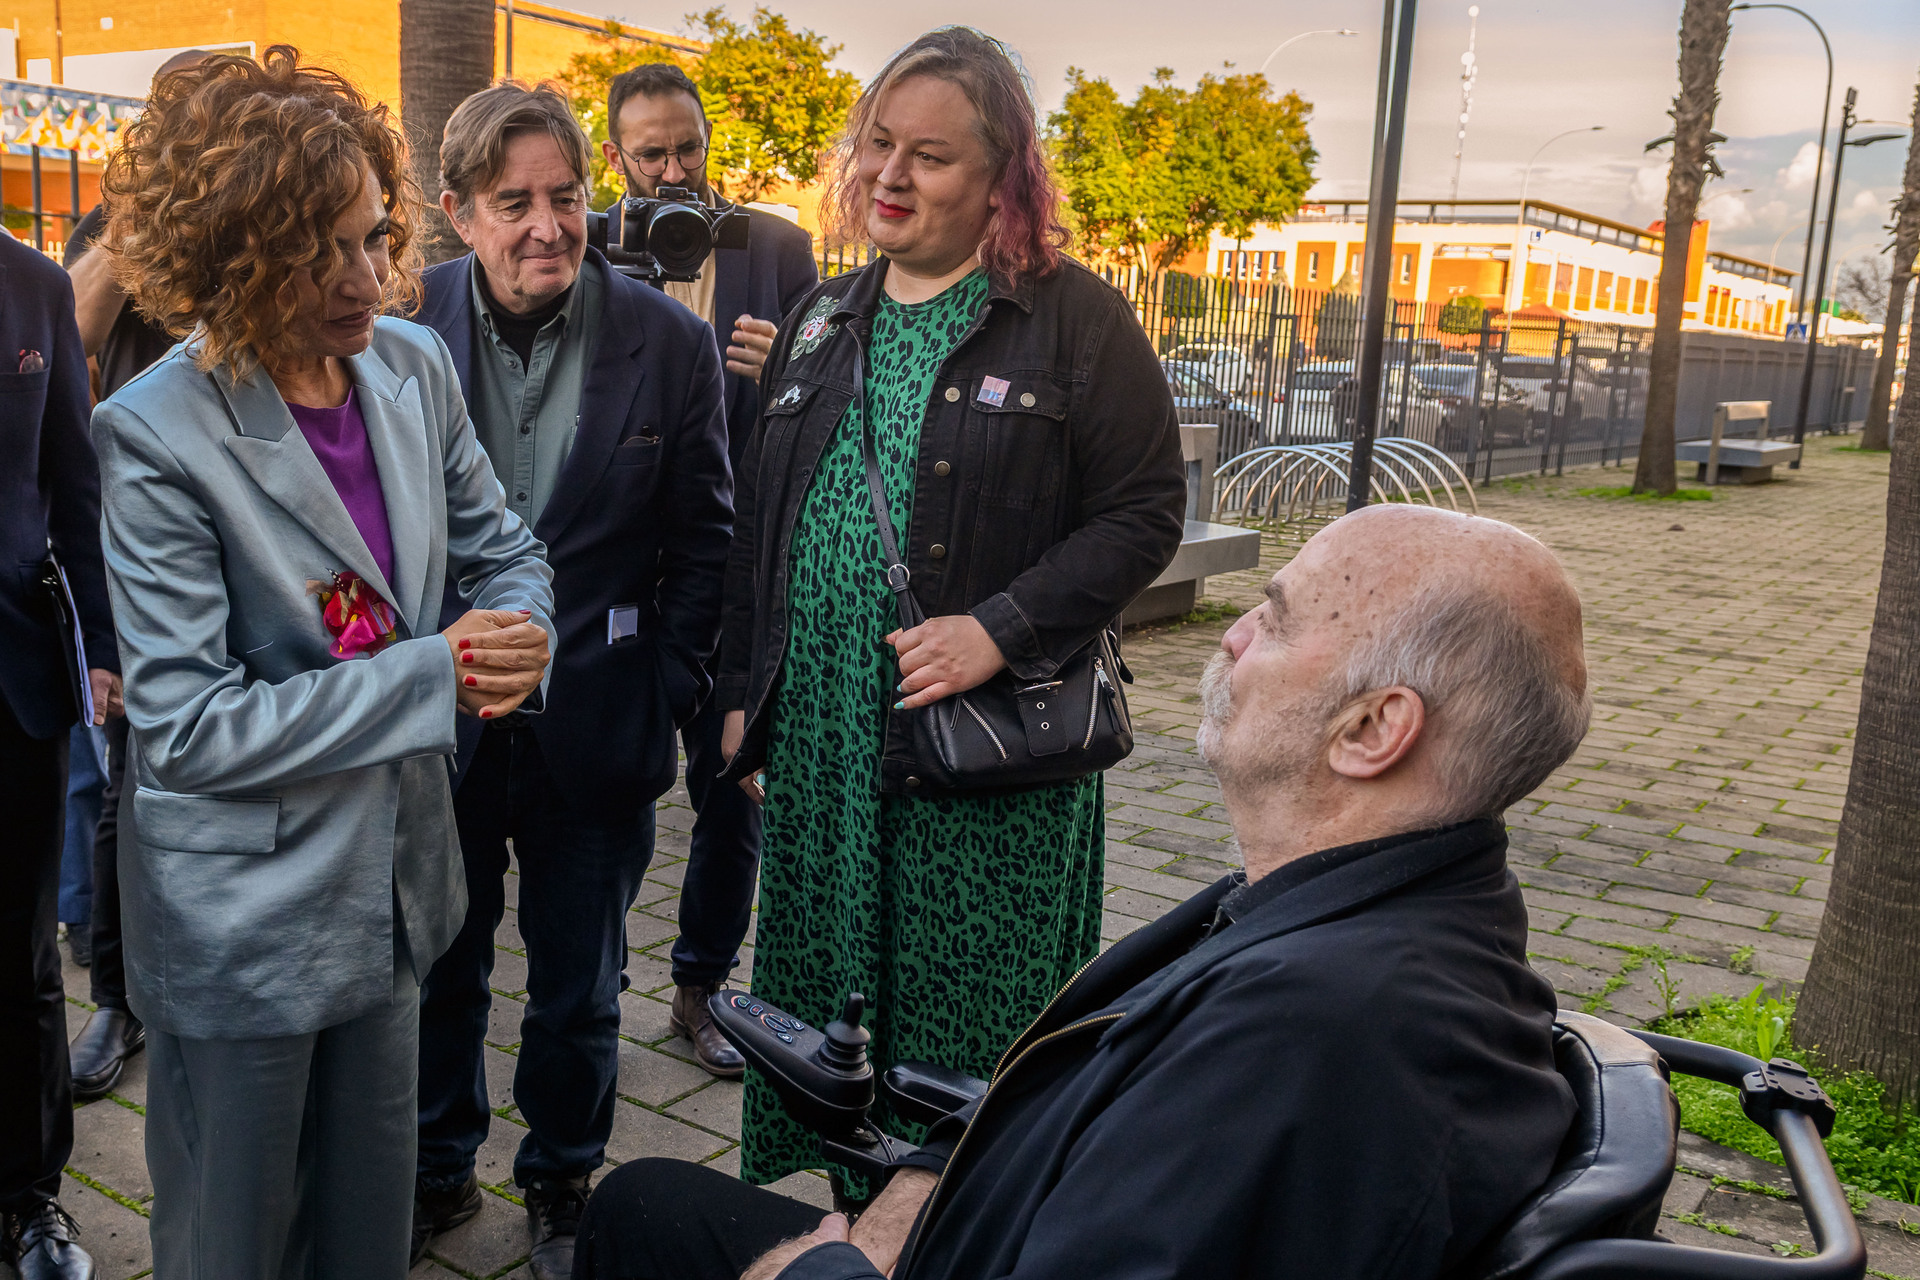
1695	824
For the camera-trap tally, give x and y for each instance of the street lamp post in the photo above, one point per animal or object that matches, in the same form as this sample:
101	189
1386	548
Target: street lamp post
1343	31
1819	158
1383	198
1516	285
1826	250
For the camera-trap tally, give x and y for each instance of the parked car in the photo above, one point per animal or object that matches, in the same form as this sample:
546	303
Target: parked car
1507	405
1226	366
1196	398
1320	399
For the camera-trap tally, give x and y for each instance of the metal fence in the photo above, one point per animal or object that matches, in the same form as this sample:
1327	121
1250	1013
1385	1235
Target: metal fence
1500	395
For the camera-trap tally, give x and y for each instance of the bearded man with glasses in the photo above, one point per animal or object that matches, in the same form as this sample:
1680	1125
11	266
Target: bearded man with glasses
659	138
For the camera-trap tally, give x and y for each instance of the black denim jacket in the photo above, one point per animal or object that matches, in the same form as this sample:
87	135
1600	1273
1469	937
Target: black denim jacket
1041	507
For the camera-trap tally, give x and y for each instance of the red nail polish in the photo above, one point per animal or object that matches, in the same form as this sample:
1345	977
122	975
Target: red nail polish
486	713
466	657
472	681
466	644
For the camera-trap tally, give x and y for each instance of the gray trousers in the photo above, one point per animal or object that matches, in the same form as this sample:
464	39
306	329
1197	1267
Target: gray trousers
287	1158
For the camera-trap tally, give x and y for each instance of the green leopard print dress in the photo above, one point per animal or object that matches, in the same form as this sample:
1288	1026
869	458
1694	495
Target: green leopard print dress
957	918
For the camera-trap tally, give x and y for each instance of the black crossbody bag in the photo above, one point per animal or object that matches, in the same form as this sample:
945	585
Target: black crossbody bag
1007	734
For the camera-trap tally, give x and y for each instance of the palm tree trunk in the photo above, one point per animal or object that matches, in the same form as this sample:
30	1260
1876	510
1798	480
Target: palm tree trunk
446	55
1858	1008
1906	242
1703	38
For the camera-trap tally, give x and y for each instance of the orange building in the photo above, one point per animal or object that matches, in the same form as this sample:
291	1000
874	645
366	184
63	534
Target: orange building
1581	265
95	67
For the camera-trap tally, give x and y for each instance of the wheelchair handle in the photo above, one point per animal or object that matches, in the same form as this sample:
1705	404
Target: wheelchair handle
1780	1098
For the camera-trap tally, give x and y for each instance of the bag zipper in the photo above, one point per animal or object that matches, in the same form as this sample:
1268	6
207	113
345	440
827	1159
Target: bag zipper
1093	703
982	721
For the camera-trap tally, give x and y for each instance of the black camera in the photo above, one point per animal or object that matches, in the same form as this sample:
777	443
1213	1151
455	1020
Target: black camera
665	237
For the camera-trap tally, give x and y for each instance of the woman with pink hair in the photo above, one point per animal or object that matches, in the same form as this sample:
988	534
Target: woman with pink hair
1003	406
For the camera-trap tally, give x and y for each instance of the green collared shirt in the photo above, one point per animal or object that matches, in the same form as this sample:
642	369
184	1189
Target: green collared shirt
526	416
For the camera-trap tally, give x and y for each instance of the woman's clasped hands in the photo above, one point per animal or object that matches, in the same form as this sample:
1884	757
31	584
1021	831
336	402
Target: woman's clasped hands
499	656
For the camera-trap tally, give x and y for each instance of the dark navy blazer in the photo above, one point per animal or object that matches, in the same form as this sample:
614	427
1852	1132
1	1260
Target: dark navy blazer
765	280
49	488
641	515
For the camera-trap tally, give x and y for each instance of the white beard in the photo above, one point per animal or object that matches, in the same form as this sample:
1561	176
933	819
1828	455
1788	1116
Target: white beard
1216	706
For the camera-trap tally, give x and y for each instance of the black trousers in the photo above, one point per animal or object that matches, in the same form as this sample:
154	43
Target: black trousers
672	1220
716	898
36	1093
108	976
579	874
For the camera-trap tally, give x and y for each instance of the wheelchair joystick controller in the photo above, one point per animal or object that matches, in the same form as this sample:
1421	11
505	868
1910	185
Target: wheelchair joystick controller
845	1047
824	1078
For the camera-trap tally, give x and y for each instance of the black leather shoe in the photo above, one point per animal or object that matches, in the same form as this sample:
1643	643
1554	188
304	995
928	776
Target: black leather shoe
691	1018
42	1245
438	1211
99	1053
554	1206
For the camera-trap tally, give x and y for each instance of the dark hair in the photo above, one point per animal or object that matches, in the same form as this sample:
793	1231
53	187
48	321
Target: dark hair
1025	236
229	184
474	147
648	80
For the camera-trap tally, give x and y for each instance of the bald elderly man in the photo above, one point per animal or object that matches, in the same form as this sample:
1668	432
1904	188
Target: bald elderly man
1335	1065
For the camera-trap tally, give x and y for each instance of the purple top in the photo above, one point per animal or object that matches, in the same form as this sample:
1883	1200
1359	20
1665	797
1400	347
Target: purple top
339	439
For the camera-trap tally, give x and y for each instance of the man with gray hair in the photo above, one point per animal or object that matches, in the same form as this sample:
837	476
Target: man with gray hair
601	405
1335	1065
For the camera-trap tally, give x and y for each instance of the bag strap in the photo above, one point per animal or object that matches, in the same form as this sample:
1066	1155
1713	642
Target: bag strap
899	580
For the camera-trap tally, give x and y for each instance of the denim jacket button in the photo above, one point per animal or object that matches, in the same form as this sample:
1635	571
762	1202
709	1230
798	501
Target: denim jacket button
937	551
1026	399
953	394
941	468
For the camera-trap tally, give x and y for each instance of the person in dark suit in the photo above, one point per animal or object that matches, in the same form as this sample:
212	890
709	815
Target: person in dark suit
49	497
599	402
658	137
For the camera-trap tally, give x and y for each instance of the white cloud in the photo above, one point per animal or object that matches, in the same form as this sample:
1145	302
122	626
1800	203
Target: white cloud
1728	213
1649	187
1864	201
1798	175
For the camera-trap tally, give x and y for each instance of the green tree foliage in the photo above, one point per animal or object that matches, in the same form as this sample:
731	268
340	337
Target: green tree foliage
1462	314
775	100
1151	180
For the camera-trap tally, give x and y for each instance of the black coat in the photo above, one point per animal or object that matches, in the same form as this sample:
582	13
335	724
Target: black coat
1354	1081
640	516
1042	508
765	280
49	489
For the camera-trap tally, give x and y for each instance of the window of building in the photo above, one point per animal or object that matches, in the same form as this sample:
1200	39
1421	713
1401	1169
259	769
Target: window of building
1313	266
1406	268
1640	297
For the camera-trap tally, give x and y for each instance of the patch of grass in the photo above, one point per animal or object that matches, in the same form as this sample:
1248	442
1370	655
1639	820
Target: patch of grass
1872	1148
1626	491
1212	611
1860	448
1700	1220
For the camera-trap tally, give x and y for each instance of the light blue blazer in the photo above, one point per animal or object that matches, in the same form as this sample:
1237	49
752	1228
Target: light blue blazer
282	800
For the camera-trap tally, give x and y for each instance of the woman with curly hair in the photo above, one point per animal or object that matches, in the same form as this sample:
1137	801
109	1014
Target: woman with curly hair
1002	404
284	496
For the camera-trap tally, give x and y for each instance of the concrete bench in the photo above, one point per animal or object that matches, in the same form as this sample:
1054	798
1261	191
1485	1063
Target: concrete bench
1205	548
1723	459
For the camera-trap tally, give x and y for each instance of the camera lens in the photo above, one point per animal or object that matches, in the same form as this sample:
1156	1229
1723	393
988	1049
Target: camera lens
679	239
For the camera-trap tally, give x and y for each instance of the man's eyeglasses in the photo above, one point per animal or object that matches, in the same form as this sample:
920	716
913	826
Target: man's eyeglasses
653	161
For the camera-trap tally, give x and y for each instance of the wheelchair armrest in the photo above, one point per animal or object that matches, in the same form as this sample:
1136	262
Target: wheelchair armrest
924	1093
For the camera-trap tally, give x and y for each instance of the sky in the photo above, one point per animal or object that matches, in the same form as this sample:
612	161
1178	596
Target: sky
1544	67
